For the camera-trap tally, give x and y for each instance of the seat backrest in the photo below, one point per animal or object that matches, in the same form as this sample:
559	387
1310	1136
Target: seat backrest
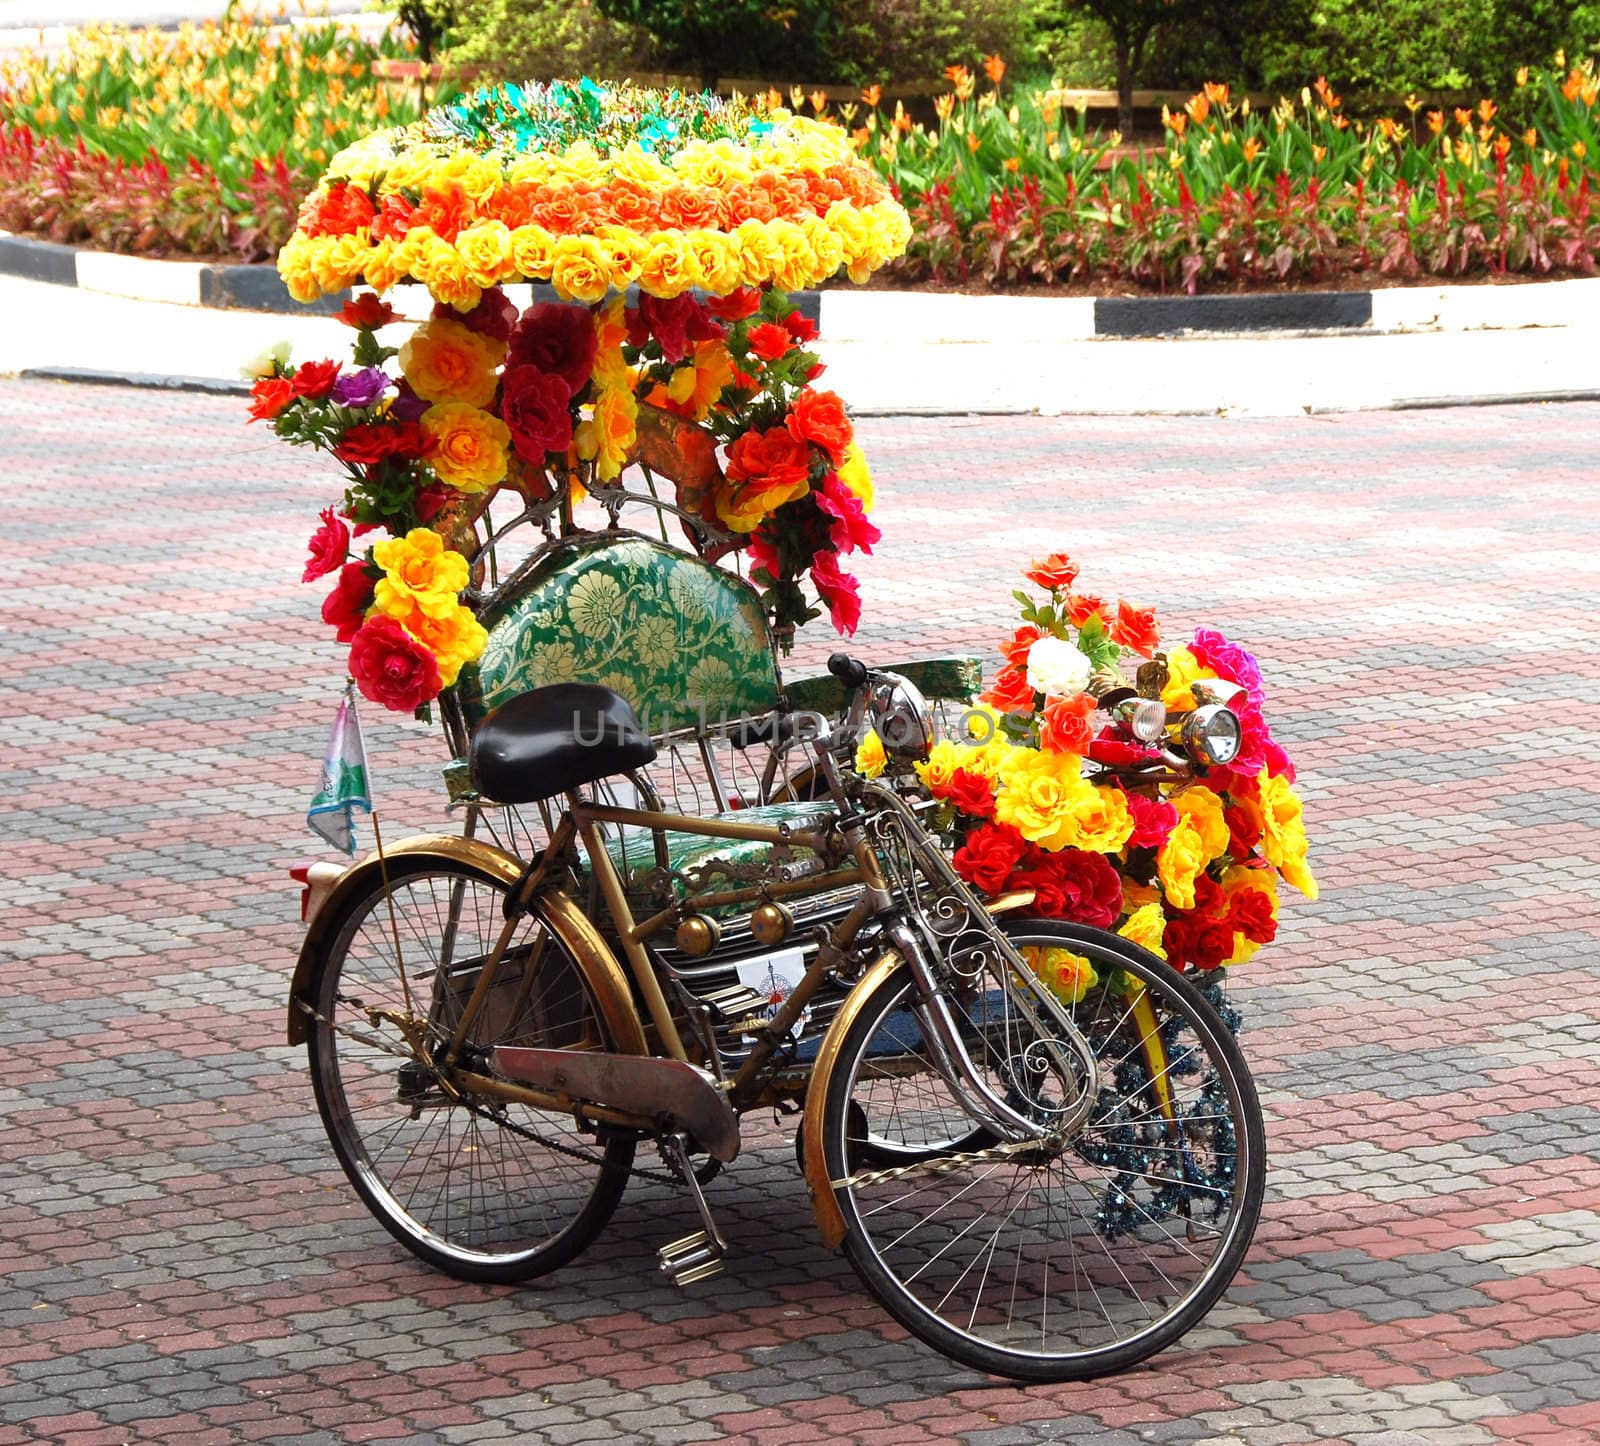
678	638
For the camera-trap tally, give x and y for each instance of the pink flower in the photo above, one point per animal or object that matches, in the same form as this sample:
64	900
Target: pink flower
840	592
1227	660
329	544
1153	821
851	531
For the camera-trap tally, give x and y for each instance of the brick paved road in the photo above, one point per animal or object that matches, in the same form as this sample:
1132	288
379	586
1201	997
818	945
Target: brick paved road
180	1259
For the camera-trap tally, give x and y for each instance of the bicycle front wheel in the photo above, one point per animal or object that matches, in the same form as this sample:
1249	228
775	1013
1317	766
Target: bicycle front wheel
485	1189
1064	1261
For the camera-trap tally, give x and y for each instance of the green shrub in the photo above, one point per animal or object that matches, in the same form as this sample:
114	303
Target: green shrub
912	40
542	39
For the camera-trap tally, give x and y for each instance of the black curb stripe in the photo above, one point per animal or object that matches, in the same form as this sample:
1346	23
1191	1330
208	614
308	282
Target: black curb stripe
39	260
1168	315
259	288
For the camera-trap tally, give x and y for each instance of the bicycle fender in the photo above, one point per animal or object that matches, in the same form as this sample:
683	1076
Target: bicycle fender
559	913
824	1205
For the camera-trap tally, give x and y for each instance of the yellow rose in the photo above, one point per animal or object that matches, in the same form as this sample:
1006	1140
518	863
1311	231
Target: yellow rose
943	759
871	760
1144	927
447	278
1180	861
716	259
825	243
1182	670
533	251
411	170
1040	794
624	251
760	256
743	507
853	473
1070	976
294	266
608	437
477	175
702	379
419	574
1283	838
470	445
668	268
611	370
453	637
1102	821
719	163
531	169
383	266
485	249
797	262
847	224
581	271
1239	880
578	162
445	362
1204	810
637	165
411	258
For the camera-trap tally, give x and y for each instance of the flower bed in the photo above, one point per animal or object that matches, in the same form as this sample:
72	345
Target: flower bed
198	142
595	190
1012	190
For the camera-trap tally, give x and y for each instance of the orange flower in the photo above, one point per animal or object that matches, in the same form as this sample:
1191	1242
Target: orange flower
820	418
366	312
995	68
1081	606
1216	94
1530	137
1463	117
1012	164
1435	121
1178	121
872	95
819	101
1065	725
1135	627
1010	692
1251	148
955	74
1486	110
972	143
271	395
1056	572
1199	107
1325	93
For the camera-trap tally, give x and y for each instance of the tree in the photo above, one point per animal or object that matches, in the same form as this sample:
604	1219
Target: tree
1130	24
715	38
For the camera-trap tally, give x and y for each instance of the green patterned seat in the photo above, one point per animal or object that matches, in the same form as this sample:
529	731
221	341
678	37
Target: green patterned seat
680	639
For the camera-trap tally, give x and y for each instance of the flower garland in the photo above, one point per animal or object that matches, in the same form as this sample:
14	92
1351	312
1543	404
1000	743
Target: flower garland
595	189
554	399
1046	794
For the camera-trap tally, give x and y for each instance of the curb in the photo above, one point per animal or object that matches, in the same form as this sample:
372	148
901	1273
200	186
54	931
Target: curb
913	316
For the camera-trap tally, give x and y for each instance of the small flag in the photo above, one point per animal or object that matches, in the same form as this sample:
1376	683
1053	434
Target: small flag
344	779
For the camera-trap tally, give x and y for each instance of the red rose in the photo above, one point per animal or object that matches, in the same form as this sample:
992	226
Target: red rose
1251	914
769	341
432	500
537	407
1207	896
988	856
1153	821
1065	725
815	370
851	530
366	446
1135	627
270	396
1010	692
1177	940
820	417
330	545
800	327
391	667
839	591
1211	944
494	316
674	322
366	312
970	793
1054	572
1244	830
774	456
1081	606
557	339
346	606
315	379
1073	884
736	305
1016	651
762	555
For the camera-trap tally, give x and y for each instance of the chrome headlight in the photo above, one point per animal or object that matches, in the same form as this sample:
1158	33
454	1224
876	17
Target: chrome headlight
1212	735
901	717
1145	718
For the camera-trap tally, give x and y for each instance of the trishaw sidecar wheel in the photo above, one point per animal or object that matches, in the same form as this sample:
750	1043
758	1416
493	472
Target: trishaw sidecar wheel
1069	1262
487	1191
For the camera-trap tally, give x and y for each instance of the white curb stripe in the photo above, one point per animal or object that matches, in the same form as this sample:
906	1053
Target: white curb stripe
140	278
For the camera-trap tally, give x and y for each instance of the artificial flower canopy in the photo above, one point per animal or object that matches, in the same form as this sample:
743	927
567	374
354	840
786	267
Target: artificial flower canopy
595	188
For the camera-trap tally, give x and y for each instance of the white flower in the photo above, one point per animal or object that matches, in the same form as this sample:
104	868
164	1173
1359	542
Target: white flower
1057	669
272	361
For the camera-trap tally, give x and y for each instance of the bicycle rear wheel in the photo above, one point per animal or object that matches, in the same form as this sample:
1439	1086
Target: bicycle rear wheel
485	1189
1065	1262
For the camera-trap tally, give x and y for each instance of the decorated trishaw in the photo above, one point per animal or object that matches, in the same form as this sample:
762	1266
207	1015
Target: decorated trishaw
970	937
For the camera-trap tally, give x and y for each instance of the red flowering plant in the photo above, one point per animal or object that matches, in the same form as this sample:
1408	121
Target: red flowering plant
1084	782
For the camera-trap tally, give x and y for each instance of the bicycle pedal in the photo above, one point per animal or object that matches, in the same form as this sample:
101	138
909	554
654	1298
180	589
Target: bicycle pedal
695	1257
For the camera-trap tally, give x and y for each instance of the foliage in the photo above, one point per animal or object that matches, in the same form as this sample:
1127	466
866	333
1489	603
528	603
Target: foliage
715	38
913	40
518	40
1008	191
198	141
430	22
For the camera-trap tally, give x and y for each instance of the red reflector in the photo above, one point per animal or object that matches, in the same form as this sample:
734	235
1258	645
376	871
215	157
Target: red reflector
301	874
